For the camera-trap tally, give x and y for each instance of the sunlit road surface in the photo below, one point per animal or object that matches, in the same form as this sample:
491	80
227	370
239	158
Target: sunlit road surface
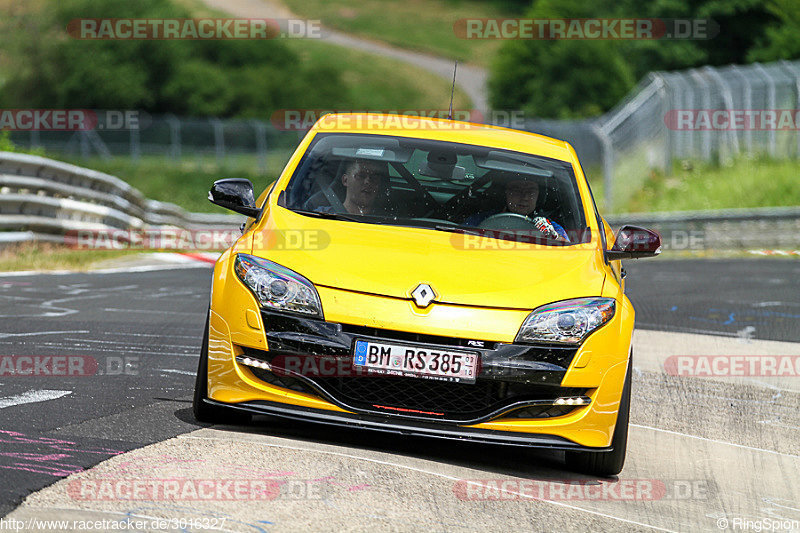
706	452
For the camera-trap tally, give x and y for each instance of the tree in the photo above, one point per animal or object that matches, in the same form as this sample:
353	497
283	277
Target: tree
780	40
583	78
193	77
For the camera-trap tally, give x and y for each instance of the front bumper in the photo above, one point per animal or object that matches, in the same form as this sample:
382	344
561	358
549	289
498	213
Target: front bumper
237	326
405	428
591	426
315	357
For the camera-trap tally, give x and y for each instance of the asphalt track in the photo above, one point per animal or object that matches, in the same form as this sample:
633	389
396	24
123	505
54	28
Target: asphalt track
712	449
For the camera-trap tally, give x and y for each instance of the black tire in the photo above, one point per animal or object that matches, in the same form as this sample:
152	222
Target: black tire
204	412
605	464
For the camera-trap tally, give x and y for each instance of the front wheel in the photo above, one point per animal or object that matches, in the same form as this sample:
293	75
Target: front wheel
204	412
604	464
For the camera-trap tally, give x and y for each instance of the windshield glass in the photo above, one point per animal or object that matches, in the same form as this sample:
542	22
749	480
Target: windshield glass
378	179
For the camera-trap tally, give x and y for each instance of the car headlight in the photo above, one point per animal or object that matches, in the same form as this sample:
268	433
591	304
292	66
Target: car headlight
566	322
277	287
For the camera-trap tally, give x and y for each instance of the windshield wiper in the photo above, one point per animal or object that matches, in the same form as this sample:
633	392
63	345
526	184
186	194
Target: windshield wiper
332	216
459	229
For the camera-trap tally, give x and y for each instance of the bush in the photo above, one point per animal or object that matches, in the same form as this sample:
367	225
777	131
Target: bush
566	79
583	78
221	78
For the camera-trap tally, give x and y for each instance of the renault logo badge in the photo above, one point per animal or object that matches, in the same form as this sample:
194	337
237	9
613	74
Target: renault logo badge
423	295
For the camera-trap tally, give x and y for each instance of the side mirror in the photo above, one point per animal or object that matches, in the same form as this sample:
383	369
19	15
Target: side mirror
633	242
235	194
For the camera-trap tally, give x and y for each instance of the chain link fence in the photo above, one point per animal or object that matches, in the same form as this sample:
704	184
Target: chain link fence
706	114
168	136
701	114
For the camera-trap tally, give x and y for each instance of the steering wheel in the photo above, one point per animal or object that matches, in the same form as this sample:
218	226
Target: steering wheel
508	221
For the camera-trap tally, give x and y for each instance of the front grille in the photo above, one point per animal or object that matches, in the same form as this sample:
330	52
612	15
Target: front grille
438	399
428	396
511	376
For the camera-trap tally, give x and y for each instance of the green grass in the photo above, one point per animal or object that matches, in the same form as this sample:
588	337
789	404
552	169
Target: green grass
373	82
745	182
424	25
376	83
40	256
185	183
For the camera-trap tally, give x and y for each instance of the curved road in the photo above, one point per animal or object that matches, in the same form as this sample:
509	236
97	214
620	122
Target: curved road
471	79
702	453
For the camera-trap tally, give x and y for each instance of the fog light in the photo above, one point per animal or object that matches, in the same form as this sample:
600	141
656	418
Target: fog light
254	363
573	400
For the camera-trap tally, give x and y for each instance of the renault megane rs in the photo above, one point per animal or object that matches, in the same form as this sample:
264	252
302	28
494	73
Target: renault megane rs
427	277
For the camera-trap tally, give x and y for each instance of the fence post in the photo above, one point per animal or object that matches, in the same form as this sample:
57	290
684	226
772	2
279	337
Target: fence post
261	144
666	99
770	103
35	143
748	104
98	144
175	151
84	144
727	97
795	73
135	145
219	140
684	91
706	153
608	166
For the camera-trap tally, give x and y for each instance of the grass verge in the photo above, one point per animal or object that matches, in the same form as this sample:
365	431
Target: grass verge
184	182
423	25
745	182
372	82
757	181
46	257
377	83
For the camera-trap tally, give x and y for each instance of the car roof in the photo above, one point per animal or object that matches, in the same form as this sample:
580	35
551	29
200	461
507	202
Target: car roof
444	130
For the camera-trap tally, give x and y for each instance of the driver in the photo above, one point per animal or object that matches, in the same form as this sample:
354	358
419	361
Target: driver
521	196
363	181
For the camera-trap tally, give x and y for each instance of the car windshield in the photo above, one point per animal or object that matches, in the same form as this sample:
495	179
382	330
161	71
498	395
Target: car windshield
444	186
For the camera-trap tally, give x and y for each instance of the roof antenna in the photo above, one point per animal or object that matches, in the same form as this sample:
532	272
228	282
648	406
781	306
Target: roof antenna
452	91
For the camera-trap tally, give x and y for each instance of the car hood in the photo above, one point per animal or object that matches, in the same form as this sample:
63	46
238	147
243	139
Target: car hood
392	260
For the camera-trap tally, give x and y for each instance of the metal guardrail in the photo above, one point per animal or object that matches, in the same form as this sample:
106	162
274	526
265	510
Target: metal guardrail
43	199
727	229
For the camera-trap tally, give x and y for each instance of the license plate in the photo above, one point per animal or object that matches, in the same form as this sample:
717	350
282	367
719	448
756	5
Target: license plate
416	361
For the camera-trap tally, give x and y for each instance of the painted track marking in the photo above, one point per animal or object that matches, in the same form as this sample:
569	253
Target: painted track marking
32	396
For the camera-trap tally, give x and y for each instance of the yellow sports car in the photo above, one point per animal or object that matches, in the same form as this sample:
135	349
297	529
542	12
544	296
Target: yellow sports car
427	277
